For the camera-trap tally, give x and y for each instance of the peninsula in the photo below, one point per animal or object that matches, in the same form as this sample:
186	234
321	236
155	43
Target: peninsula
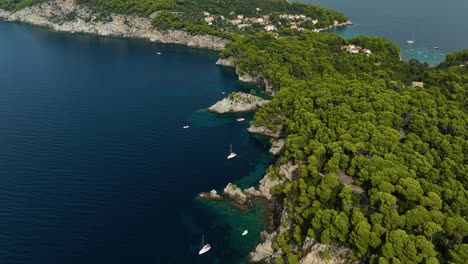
371	151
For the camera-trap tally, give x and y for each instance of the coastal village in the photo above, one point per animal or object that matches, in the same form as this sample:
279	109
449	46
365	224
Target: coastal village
269	23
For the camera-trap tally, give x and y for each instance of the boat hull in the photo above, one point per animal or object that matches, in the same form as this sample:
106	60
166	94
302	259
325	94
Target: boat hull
205	249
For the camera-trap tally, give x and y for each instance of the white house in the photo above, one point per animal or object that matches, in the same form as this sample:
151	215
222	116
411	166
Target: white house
256	20
206	13
240	16
315	21
367	51
209	19
235	21
240	26
270	27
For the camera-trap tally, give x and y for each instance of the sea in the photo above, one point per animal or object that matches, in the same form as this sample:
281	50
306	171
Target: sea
438	27
95	165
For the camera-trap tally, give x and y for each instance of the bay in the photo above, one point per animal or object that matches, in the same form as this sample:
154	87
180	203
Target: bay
95	166
434	23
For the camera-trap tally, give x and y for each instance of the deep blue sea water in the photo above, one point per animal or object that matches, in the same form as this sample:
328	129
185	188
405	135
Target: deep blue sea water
94	164
434	23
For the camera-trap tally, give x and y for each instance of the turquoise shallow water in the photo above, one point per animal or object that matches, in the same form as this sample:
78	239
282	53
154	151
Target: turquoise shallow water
434	23
95	166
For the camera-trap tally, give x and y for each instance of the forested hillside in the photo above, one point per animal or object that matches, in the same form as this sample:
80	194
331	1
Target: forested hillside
356	119
213	17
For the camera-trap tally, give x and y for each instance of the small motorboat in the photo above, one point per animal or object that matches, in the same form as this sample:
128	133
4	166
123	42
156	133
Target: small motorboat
159	53
205	247
223	93
186	126
436	47
240	119
245	232
232	154
411	41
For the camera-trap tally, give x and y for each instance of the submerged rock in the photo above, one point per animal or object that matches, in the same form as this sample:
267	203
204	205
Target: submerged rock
238	102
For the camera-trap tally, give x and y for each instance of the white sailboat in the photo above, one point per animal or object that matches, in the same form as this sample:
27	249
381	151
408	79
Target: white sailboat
232	154
411	41
240	119
159	53
245	232
204	247
186	126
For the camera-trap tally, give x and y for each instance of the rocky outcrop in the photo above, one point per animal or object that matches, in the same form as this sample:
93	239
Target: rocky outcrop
212	195
264	131
227	62
235	193
67	16
252	192
247	78
266	183
263	250
238	102
269	88
316	255
277	146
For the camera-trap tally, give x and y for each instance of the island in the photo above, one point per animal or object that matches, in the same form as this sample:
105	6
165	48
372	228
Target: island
371	151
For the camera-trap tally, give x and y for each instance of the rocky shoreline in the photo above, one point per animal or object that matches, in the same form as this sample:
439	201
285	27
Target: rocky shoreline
67	16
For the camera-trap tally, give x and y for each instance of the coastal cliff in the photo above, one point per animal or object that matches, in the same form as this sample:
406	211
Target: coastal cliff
67	16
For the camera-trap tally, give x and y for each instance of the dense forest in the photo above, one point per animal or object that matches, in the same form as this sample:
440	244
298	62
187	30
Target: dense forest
188	15
382	165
